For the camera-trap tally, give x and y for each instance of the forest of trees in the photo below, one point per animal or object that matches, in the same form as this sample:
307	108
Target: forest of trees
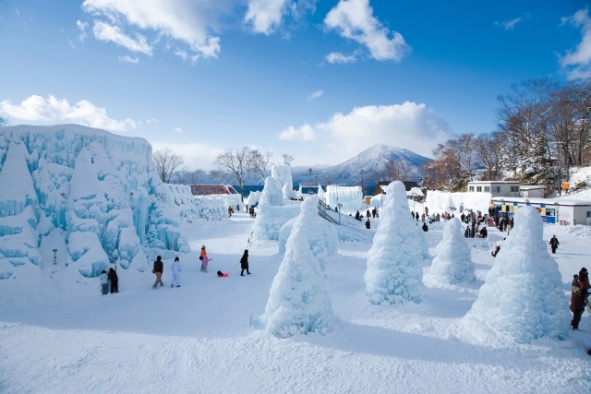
543	130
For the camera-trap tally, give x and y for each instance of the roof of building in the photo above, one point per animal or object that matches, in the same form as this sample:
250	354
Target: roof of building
206	190
494	182
539	200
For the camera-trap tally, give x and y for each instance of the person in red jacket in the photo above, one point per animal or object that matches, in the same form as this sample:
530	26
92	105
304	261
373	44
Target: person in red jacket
576	303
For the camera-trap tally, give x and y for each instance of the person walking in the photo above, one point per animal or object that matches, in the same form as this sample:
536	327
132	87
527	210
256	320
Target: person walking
577	305
114	279
104	282
367	223
244	263
554	243
157	270
176	272
204	259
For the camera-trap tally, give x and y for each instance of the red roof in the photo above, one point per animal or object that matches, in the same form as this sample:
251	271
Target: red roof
206	190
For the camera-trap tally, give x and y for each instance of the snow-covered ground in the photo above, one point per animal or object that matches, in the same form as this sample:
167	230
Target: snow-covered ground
328	308
198	338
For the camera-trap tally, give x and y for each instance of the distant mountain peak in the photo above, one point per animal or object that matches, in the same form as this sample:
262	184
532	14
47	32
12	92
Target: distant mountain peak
368	163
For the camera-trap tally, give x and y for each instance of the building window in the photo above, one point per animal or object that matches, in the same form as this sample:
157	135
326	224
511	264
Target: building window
497	189
487	188
589	214
514	189
471	188
478	188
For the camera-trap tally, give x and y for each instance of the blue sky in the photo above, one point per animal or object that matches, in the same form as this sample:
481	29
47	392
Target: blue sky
319	80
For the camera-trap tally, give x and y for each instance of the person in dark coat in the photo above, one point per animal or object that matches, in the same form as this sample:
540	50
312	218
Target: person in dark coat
367	224
554	243
577	305
244	263
425	227
483	232
584	283
157	270
114	280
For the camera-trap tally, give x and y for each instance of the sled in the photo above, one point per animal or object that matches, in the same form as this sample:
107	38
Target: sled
222	275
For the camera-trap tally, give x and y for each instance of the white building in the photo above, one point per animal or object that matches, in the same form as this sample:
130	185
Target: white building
495	188
558	211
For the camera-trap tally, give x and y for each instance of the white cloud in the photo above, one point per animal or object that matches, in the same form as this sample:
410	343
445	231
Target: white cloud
408	126
315	95
265	15
353	19
339	58
82	27
178	130
129	59
508	25
105	32
303	133
577	63
185	21
51	110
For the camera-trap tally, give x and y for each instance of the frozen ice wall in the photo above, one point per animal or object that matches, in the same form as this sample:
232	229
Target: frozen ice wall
322	235
298	300
350	197
453	259
274	209
88	191
394	274
522	297
282	175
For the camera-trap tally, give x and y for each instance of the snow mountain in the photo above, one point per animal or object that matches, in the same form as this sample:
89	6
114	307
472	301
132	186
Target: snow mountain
372	163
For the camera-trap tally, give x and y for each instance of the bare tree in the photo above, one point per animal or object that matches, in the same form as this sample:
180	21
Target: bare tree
232	166
189	177
166	163
486	147
258	162
287	159
523	120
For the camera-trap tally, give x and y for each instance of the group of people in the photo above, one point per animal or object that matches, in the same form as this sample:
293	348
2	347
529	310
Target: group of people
579	294
111	279
158	268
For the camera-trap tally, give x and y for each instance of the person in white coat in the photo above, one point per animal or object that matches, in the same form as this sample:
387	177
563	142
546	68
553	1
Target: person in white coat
176	273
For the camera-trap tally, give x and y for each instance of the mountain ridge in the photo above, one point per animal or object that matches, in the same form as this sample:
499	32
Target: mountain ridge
370	165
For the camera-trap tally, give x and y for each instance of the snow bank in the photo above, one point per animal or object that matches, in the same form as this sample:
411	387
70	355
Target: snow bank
522	297
394	273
